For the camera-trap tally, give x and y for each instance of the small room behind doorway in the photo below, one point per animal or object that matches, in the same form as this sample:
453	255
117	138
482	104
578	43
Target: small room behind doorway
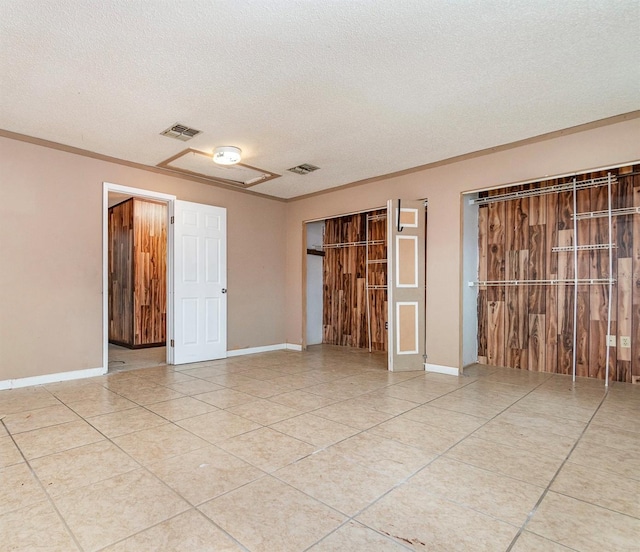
137	282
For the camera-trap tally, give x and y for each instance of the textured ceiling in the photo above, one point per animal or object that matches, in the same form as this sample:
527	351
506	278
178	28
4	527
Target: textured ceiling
358	88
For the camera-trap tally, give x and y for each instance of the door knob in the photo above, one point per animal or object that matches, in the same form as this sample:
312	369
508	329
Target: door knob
224	290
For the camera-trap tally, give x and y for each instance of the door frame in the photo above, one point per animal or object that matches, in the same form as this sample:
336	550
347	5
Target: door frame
147	194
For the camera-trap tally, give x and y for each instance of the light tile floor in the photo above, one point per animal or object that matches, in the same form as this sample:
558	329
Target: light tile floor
323	451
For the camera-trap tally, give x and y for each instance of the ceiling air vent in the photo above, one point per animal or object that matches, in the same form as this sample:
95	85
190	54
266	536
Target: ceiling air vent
180	132
305	168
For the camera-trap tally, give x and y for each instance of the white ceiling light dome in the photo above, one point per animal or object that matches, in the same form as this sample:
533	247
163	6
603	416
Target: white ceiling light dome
227	155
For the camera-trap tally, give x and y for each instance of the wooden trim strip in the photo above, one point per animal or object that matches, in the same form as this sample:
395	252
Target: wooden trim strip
167	162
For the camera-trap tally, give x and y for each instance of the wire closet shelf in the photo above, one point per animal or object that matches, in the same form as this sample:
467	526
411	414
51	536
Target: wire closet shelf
574	186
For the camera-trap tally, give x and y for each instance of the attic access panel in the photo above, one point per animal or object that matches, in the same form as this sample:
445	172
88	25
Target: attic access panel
200	163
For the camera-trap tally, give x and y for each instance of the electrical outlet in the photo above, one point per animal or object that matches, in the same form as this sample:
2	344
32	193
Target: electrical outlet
625	342
611	340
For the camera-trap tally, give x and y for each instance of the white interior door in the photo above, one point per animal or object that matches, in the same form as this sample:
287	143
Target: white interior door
200	281
406	284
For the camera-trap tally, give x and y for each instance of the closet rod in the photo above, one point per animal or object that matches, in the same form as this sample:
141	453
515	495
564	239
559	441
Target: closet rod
352	244
567	281
373	218
589	247
583	184
601	214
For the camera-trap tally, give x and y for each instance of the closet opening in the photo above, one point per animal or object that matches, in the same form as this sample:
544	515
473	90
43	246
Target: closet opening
136	279
346	287
549	273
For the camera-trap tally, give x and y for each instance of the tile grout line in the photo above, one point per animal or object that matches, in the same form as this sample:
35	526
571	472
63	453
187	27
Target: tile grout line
141	466
154	476
272	474
266	473
48	497
361	431
548	487
406	479
440	455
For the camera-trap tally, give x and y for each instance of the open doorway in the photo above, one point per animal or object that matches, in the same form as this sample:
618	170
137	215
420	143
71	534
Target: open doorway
136	277
346	287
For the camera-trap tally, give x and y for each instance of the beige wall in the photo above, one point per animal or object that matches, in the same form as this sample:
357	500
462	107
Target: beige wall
51	258
51	243
597	147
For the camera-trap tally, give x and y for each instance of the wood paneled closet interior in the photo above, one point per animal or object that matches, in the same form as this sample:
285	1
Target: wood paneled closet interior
137	236
355	280
547	267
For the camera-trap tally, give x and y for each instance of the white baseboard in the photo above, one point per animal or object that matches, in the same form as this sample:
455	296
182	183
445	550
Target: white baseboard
254	350
264	349
293	347
439	369
92	372
51	378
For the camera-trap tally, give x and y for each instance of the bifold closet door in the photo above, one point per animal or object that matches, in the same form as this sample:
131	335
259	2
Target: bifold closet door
406	284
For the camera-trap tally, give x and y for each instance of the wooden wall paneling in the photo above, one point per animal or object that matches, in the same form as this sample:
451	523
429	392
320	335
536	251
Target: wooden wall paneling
544	341
516	310
495	333
120	273
635	309
598	293
536	344
565	291
537	208
582	229
516	297
537	267
496	294
496	249
482	326
512	327
345	285
150	266
565	304
624	197
330	284
378	277
483	215
536	306
582	333
624	318
137	273
551	292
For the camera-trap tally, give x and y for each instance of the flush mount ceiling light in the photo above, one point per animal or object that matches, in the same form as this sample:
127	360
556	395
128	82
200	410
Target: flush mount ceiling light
226	155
